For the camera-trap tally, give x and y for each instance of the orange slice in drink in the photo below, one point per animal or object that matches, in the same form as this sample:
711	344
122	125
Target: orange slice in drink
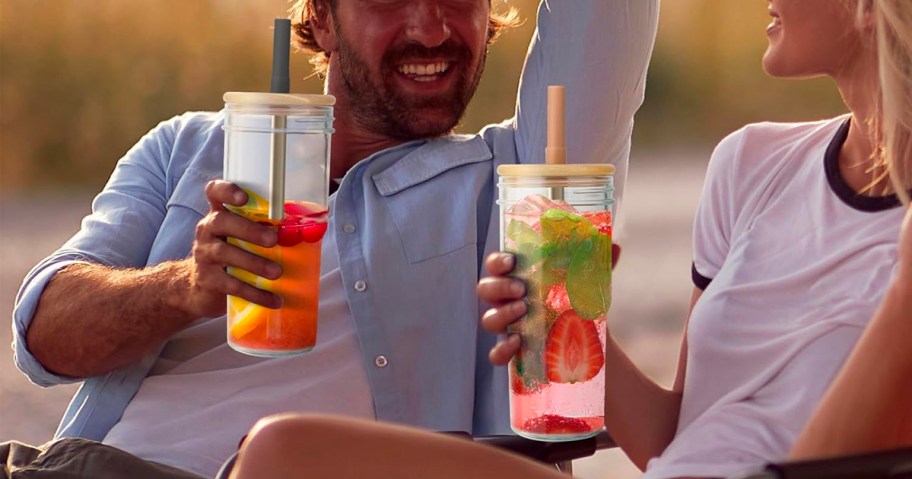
247	316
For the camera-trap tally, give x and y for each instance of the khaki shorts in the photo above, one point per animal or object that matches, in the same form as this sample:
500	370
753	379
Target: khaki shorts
71	458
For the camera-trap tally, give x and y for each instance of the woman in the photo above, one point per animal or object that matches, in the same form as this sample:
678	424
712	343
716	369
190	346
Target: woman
795	253
868	405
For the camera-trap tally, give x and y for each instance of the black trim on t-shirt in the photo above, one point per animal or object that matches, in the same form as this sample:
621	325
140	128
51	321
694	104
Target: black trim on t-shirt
699	280
841	188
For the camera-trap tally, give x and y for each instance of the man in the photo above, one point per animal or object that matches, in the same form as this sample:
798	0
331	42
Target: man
134	303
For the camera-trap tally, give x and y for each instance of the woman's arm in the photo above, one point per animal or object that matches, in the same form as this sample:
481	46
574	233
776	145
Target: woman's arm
640	415
869	405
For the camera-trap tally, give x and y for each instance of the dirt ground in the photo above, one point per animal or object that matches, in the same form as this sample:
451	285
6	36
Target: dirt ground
651	286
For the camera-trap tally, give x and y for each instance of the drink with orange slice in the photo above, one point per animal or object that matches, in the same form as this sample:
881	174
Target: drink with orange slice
277	148
292	329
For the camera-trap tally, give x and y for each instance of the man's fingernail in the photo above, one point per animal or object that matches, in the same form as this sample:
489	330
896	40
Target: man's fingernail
518	307
507	261
274	270
517	288
240	197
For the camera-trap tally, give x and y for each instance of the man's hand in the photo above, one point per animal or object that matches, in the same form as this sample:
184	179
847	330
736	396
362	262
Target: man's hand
92	319
507	295
212	254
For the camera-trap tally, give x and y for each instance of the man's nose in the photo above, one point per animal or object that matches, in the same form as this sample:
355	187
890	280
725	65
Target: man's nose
427	23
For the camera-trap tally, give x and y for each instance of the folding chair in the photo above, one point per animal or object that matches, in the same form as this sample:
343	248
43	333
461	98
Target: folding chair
891	464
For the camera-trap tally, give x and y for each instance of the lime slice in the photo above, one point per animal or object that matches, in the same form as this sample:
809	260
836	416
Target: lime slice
255	208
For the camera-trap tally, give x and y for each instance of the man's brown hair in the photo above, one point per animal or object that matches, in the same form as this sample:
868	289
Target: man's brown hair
303	11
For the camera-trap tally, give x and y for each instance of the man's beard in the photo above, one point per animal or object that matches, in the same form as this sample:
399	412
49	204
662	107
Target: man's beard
380	107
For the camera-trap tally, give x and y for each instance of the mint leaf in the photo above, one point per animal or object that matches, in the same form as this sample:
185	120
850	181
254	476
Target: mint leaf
589	277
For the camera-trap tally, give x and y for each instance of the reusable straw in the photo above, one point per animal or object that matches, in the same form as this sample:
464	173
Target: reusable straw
281	49
556	148
278	84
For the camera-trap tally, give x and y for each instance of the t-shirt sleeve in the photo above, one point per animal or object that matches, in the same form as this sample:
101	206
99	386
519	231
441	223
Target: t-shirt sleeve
716	212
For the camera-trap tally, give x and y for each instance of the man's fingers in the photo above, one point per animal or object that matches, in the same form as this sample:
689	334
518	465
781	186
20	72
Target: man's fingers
225	224
496	320
503	351
236	287
500	263
221	192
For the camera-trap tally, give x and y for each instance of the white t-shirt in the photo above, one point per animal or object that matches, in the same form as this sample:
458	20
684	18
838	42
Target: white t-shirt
200	384
798	264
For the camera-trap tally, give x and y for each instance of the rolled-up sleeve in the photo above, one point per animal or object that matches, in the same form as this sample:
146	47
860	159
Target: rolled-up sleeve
599	50
119	232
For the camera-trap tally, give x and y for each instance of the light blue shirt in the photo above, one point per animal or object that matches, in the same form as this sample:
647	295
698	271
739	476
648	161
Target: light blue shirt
423	214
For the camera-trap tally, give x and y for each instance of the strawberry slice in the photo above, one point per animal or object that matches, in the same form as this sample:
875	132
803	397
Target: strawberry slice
601	220
558	300
519	387
573	352
555	424
520	384
304	209
292	235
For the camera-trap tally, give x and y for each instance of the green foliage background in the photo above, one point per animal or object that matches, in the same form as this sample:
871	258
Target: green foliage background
83	80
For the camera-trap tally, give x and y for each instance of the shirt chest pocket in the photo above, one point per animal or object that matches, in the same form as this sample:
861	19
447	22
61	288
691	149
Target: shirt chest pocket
436	218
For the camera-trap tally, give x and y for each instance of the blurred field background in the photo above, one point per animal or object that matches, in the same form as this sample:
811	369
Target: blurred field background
82	80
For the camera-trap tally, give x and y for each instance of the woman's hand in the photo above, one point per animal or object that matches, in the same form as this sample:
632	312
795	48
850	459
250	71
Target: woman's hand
507	297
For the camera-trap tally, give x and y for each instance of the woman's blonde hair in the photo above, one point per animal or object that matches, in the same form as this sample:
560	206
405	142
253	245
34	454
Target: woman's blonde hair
303	11
894	43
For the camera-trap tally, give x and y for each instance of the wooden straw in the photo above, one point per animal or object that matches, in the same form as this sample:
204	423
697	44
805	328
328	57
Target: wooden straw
556	149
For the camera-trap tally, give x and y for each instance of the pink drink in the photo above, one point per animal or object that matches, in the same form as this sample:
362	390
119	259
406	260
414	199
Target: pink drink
557	382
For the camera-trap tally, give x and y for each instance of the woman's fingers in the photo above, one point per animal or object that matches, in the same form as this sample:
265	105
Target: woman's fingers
496	320
504	351
500	263
498	290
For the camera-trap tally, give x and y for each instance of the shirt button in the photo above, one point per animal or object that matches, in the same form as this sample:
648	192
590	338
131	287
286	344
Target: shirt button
381	361
349	229
360	286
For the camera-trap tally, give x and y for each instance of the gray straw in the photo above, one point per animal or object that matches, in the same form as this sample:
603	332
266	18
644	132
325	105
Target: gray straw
279	83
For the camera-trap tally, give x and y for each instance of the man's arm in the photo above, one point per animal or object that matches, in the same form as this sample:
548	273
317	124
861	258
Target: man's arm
600	50
92	319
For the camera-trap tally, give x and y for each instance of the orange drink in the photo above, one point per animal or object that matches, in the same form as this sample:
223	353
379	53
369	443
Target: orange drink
291	329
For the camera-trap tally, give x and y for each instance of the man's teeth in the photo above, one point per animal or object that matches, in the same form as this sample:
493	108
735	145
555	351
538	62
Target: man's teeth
424	68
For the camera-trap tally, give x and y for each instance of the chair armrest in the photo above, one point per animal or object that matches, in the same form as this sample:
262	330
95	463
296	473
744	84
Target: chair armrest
547	452
895	463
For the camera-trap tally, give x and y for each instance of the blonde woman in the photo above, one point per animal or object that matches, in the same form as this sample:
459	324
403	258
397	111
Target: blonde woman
869	405
796	253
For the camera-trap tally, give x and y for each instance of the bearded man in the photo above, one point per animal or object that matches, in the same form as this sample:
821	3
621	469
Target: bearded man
133	305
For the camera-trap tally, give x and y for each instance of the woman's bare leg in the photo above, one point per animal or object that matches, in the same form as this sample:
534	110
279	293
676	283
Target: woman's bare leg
326	446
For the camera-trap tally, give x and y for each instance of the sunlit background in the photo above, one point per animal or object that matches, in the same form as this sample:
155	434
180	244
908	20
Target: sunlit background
82	80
